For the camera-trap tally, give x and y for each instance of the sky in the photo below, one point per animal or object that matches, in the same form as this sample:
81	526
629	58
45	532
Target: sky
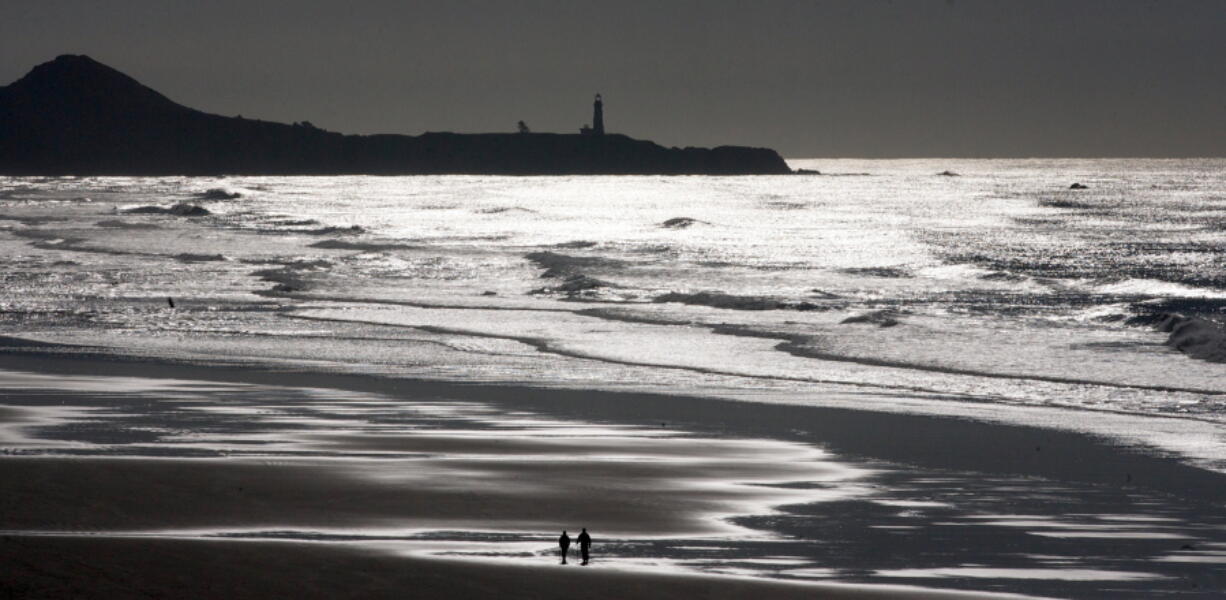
852	78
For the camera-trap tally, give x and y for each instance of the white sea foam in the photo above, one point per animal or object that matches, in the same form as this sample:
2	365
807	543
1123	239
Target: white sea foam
1158	289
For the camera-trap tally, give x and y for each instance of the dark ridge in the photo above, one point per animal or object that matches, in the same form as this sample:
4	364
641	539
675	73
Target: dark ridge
574	286
884	272
680	223
119	224
76	116
218	194
1197	326
565	265
717	299
181	210
191	257
361	246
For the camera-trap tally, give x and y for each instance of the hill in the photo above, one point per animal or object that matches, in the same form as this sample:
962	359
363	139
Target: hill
76	116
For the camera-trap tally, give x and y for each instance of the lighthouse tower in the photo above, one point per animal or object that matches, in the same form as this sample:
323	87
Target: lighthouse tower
598	116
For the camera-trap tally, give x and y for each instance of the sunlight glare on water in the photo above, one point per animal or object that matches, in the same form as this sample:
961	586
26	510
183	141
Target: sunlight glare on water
994	284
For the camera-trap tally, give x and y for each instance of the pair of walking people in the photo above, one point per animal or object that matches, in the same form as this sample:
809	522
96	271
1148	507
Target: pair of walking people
585	545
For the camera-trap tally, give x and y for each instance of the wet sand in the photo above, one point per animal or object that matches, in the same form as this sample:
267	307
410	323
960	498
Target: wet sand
132	517
440	492
378	486
120	569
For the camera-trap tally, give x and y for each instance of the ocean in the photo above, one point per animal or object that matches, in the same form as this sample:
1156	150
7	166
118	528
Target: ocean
985	290
998	285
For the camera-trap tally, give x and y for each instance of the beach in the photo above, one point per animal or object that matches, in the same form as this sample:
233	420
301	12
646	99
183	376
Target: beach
261	400
339	492
195	519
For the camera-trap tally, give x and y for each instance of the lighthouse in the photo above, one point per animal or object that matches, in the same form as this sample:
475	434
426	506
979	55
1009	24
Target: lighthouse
598	116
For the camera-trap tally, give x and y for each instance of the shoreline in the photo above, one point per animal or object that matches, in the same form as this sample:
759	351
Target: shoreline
842	430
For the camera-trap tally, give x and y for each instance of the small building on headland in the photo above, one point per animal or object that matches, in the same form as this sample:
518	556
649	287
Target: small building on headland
597	127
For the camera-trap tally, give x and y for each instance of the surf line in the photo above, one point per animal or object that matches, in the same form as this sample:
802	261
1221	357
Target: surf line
793	344
543	345
789	343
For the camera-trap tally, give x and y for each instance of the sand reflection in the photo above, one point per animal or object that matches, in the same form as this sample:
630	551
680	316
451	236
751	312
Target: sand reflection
180	458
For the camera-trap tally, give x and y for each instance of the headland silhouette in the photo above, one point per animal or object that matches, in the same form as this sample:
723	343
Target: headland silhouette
76	116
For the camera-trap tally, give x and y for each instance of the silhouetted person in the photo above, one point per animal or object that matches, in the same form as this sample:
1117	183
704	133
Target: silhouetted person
523	127
170	301
564	544
585	544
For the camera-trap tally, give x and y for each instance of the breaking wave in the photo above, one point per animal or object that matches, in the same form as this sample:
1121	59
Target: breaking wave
1198	338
